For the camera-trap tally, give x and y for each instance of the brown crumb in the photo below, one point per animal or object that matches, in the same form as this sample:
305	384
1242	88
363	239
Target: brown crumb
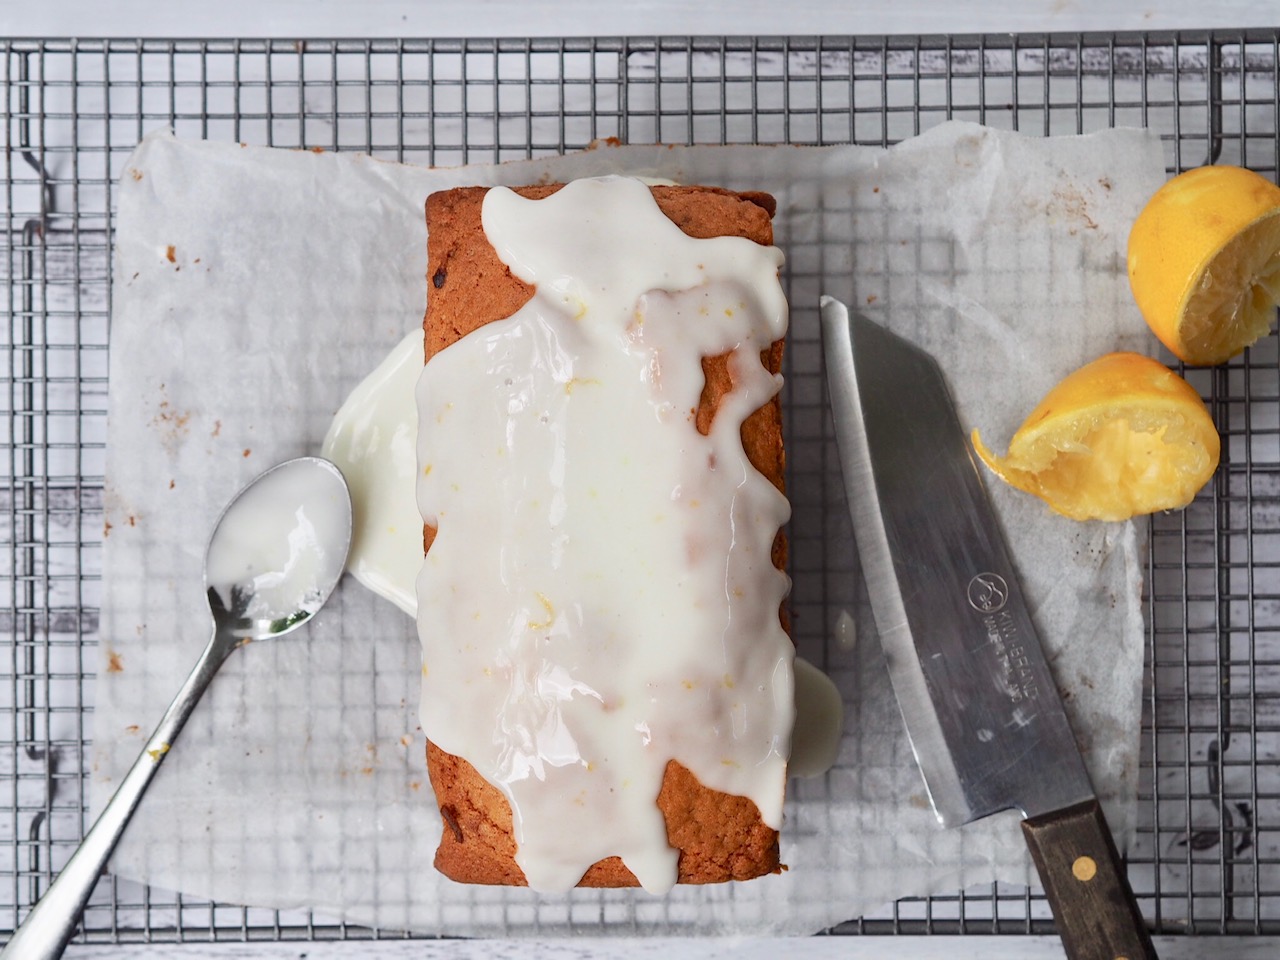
132	728
217	428
135	173
872	298
317	149
169	254
875	189
171	484
106	529
115	664
247	451
133	520
1074	205
174	424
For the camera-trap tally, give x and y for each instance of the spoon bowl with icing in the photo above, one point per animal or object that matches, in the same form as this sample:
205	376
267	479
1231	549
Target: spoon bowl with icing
278	549
277	552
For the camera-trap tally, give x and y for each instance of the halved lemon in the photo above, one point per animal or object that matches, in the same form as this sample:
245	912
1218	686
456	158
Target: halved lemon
1121	436
1204	262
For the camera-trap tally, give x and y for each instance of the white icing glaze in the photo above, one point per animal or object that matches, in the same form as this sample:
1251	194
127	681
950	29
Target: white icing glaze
815	742
373	440
600	597
273	537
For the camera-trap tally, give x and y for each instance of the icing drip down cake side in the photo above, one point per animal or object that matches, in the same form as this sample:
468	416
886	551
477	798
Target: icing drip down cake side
608	694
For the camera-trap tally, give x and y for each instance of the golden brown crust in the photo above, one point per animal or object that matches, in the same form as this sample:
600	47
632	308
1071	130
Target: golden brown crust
720	837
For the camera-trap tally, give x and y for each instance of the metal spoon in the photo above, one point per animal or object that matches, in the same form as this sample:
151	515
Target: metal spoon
276	553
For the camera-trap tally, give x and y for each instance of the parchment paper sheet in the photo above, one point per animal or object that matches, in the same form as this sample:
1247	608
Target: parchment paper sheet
254	288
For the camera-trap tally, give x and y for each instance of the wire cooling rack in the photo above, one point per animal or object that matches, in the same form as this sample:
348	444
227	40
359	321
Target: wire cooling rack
1207	853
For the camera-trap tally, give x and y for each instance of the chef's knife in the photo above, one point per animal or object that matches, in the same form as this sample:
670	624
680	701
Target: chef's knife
984	716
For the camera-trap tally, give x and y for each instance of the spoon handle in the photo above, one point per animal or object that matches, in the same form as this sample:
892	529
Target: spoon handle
53	921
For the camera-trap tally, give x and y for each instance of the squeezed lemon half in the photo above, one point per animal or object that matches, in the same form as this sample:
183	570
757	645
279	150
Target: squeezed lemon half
1204	262
1120	437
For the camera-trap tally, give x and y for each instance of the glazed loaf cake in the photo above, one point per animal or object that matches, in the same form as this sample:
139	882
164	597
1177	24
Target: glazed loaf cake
719	837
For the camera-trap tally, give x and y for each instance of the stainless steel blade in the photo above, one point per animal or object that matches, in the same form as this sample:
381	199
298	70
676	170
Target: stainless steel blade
984	716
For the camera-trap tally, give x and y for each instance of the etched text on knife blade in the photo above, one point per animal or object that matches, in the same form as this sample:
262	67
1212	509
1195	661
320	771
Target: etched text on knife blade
988	593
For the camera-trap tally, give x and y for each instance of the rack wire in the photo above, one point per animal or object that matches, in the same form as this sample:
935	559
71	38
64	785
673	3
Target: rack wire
1207	853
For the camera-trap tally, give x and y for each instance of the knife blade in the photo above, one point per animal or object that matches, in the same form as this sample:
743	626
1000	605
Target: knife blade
982	710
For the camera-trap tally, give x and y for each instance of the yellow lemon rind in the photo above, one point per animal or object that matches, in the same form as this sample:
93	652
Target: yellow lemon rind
1217	215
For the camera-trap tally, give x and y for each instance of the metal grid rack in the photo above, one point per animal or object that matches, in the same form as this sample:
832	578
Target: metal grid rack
1207	854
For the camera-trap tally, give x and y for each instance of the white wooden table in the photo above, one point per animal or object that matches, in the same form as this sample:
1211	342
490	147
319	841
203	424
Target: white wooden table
519	18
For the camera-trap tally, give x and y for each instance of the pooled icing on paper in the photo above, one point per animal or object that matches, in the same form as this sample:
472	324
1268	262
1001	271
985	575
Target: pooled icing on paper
600	596
815	741
373	439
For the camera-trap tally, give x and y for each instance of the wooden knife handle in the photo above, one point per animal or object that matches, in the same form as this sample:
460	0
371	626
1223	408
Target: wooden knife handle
1085	883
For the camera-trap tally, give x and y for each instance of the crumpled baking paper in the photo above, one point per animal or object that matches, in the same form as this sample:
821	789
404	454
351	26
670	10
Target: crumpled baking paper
254	288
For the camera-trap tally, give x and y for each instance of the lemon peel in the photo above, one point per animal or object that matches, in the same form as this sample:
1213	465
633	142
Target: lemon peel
1204	262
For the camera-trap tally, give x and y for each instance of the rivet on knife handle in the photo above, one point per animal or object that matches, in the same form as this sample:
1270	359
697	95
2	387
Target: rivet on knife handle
1083	879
